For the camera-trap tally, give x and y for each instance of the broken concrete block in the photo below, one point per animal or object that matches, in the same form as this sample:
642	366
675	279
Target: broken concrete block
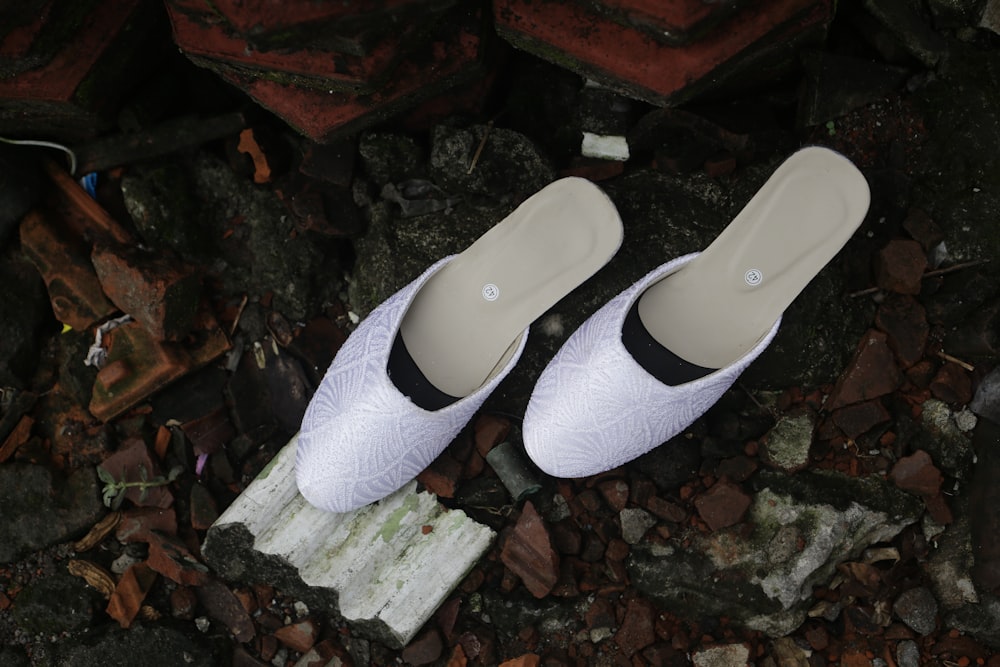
384	568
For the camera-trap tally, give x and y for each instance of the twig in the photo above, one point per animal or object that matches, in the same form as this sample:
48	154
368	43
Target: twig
956	267
928	274
482	145
947	357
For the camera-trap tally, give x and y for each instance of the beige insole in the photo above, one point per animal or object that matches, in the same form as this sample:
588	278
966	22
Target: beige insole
466	319
715	308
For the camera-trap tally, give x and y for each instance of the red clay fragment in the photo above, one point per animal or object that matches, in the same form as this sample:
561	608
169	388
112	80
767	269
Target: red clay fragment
75	293
529	553
130	592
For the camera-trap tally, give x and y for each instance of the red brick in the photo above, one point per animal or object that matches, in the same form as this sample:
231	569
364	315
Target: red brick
900	267
871	373
722	505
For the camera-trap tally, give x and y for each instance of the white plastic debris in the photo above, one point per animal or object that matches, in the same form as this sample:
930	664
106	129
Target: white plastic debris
604	147
97	355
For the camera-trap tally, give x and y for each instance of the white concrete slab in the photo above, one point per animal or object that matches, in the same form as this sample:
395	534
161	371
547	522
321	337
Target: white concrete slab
384	568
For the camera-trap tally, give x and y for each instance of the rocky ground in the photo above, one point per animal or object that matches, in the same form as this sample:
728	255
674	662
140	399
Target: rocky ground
837	506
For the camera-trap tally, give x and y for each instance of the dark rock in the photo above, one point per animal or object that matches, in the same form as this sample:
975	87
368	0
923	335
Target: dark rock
871	373
948	445
615	493
20	186
223	606
39	511
390	158
905	22
14	656
900	267
24	314
904	322
56	604
162	643
509	167
836	85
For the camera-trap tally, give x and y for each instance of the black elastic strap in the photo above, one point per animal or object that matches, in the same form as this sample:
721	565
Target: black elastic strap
660	362
410	380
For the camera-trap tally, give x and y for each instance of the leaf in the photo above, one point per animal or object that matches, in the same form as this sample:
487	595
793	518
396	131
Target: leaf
119	499
144	494
143	473
174	473
105	476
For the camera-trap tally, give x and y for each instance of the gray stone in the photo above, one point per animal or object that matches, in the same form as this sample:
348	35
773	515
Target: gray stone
908	653
918	609
981	620
803	527
508	168
39	511
950	448
635	522
390	158
265	255
949	566
727	655
986	402
786	446
57	604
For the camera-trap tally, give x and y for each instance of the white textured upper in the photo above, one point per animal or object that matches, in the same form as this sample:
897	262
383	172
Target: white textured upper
595	408
361	439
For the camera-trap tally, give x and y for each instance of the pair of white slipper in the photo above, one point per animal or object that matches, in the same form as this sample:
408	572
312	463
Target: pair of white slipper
636	373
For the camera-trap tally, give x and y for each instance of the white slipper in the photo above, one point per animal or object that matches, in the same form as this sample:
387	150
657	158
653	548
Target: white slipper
661	353
419	366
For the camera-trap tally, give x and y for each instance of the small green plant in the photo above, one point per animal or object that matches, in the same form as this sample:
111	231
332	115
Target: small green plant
115	490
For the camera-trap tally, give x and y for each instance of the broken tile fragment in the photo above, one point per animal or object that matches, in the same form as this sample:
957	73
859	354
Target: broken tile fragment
130	592
917	474
904	321
204	511
74	290
137	524
223	606
859	418
155	289
638	628
425	649
528	553
134	464
723	505
872	372
298	636
900	267
169	557
952	384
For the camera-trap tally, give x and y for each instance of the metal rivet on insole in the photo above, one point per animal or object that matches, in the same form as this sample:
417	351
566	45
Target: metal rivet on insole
753	277
491	292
